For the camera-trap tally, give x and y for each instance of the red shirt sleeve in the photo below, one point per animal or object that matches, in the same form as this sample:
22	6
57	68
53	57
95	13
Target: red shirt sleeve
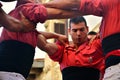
34	12
91	7
57	56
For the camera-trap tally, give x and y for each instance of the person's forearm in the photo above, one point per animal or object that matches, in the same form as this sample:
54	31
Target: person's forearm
9	22
3	18
49	35
15	25
63	4
61	14
62	38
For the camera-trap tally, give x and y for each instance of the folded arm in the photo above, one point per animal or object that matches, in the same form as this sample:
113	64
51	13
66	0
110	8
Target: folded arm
62	38
48	47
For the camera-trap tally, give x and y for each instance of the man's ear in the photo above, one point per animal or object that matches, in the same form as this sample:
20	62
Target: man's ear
69	30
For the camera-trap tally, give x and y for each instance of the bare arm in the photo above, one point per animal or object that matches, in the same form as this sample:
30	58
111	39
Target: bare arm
54	13
62	38
50	48
64	4
7	21
13	24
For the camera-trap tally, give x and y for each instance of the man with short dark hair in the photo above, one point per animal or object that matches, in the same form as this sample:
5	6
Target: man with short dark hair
78	60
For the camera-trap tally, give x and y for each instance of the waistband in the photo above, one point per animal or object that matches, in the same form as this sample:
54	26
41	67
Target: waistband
114	67
112	60
111	43
16	56
80	73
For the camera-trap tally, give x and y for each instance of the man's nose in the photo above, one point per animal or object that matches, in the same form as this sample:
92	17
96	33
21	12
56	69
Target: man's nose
78	32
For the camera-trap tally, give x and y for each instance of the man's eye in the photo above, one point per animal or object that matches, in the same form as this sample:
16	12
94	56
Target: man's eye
82	30
74	30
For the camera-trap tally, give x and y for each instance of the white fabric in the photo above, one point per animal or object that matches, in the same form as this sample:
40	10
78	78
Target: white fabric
10	76
112	73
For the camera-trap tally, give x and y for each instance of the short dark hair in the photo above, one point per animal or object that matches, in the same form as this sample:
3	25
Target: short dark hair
92	33
77	20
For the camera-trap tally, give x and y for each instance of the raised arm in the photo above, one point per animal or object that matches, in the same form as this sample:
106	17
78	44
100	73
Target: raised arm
42	43
62	38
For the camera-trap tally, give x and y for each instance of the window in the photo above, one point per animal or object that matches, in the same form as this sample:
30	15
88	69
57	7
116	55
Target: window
59	28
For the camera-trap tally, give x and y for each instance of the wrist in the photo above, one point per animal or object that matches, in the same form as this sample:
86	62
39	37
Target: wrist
56	35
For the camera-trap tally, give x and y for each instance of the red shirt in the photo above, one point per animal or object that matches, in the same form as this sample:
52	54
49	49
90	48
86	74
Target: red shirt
85	56
35	13
109	10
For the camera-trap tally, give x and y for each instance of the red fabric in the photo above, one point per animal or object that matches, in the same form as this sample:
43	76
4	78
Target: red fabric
34	12
86	55
109	10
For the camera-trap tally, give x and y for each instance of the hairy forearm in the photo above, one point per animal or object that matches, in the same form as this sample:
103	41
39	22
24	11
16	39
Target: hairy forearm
15	25
62	38
2	16
49	35
61	14
9	22
64	4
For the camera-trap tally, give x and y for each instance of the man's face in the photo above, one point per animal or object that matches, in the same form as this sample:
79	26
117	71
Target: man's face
78	33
